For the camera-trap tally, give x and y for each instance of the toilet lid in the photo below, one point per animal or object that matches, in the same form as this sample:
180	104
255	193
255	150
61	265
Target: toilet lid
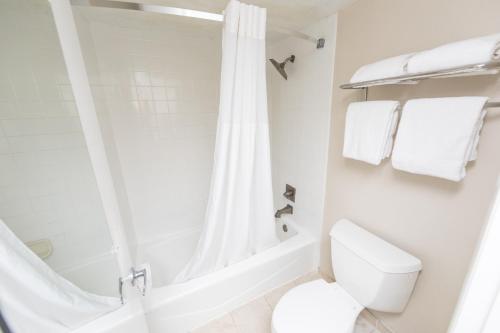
318	307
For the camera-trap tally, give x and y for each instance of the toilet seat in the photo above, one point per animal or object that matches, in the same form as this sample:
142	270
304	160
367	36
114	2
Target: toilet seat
318	307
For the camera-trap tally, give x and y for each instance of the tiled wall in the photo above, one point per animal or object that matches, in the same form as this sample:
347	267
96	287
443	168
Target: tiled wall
155	81
300	122
47	186
156	84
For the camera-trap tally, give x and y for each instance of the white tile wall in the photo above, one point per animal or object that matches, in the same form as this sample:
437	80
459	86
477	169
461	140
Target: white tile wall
156	84
47	186
300	121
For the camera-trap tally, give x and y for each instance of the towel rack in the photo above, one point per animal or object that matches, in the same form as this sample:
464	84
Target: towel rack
492	103
492	67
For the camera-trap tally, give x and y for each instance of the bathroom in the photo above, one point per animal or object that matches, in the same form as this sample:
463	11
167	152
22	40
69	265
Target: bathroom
116	124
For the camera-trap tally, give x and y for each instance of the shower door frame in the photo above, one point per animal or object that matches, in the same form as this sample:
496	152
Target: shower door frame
79	79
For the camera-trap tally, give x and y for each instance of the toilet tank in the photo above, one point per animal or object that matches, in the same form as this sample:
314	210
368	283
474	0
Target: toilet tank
377	274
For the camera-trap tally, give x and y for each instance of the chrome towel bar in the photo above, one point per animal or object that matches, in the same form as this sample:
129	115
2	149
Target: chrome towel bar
492	103
492	67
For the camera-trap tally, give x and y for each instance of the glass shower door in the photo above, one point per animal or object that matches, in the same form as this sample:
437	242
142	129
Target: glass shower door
48	192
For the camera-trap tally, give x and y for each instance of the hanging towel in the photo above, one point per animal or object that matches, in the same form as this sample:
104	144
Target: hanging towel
369	130
34	298
386	68
462	53
438	136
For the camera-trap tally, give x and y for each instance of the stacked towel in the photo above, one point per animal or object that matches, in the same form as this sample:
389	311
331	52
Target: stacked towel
390	67
369	130
438	136
462	53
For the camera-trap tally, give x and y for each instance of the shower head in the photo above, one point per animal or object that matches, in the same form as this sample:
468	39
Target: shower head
280	66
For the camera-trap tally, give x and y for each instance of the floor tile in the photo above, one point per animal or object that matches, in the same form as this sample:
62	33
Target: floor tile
326	277
307	278
257	327
363	326
255	317
222	325
274	296
255	311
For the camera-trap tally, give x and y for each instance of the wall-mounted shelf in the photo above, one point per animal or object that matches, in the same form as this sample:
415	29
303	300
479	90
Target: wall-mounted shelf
478	69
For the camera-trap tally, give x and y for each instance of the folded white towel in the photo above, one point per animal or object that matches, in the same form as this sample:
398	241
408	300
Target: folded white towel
386	68
462	53
438	136
369	130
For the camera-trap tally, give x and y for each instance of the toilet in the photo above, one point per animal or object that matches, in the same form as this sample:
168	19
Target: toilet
370	273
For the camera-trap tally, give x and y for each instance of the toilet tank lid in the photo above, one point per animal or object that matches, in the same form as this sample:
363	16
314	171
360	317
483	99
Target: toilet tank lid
381	254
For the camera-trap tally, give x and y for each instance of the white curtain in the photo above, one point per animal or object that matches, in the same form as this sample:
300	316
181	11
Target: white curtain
34	298
239	220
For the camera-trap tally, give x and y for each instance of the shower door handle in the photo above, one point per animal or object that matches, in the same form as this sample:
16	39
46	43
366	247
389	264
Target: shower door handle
140	274
133	277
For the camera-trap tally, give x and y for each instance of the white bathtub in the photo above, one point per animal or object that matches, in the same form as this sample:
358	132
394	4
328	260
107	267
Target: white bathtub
98	275
179	308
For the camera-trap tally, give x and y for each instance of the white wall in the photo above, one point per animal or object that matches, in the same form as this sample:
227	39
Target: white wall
156	85
478	307
300	121
47	186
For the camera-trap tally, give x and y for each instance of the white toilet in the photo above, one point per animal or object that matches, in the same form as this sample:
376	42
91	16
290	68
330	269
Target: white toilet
370	273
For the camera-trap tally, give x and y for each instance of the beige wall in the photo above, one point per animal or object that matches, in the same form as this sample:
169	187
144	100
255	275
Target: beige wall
436	220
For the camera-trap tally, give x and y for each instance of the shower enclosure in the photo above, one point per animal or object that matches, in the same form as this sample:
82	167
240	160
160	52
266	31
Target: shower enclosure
155	82
108	135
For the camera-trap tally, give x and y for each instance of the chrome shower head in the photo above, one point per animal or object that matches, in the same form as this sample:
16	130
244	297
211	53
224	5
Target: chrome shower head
280	66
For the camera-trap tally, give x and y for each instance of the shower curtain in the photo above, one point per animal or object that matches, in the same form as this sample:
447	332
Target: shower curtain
239	220
34	298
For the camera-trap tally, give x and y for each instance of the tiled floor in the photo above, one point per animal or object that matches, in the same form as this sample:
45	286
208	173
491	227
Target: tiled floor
255	317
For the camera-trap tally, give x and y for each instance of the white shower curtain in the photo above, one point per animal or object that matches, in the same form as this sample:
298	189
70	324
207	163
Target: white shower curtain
239	219
34	298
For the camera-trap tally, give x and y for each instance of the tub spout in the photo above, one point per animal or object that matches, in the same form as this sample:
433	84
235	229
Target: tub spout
285	210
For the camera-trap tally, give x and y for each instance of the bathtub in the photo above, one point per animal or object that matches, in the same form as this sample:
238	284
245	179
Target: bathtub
97	275
182	307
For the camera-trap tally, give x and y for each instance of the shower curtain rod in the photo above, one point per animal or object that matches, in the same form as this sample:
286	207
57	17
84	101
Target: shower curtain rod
142	7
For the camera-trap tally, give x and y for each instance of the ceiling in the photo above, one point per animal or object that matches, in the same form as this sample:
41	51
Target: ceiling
282	14
291	14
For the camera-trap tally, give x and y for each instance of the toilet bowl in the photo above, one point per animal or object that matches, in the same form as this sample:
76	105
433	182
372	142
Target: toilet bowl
370	273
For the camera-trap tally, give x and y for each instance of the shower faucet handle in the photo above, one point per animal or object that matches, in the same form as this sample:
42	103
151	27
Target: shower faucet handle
289	193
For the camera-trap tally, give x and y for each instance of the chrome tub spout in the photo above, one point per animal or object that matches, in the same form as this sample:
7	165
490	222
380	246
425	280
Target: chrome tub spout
285	210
